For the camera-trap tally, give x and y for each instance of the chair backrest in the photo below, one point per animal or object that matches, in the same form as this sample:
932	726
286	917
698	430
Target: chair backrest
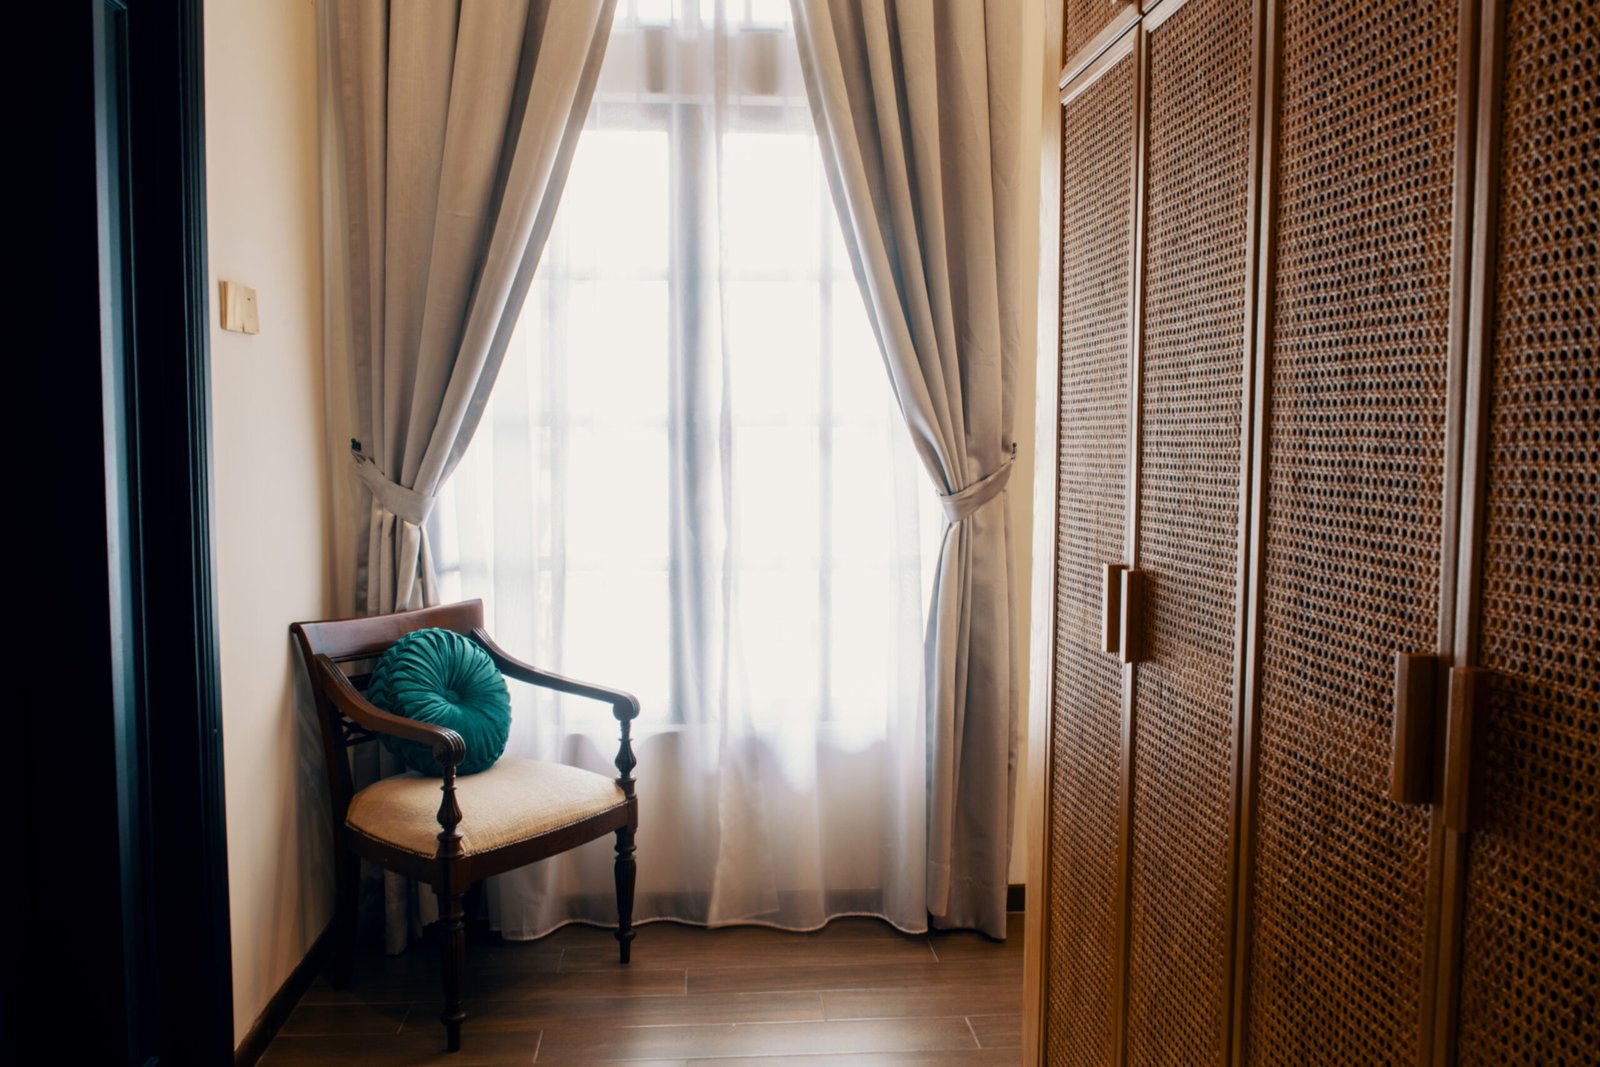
351	644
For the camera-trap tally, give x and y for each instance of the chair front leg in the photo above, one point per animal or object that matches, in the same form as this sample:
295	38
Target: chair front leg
625	710
452	955
626	872
453	923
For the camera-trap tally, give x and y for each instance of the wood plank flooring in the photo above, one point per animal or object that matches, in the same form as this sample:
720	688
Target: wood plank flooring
858	992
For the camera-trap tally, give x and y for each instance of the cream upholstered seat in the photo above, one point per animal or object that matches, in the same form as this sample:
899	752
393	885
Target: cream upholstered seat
512	801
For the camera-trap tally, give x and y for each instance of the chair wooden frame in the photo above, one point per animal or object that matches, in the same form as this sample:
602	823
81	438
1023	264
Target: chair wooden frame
348	719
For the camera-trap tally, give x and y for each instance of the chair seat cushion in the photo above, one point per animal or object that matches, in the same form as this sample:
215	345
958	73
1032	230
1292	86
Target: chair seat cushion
443	678
512	801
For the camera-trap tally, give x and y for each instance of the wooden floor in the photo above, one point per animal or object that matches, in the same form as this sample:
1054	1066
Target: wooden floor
855	993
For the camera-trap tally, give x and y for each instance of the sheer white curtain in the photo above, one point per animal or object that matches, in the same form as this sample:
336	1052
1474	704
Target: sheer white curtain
691	482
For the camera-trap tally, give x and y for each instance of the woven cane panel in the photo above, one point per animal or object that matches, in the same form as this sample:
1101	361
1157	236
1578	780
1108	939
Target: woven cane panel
1197	210
1355	473
1096	223
1531	942
1085	18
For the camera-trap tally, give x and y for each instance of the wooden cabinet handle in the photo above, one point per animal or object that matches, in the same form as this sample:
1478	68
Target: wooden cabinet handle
1111	597
1135	590
1469	710
1123	594
1417	693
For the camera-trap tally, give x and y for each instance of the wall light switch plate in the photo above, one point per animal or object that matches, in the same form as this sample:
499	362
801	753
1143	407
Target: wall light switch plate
239	308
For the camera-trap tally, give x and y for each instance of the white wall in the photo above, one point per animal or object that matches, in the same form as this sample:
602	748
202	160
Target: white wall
271	480
1019	491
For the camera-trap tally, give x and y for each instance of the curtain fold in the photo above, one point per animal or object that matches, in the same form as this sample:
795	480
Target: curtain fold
451	130
449	180
919	140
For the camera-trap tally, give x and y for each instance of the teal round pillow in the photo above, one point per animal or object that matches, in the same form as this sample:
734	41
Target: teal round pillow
443	678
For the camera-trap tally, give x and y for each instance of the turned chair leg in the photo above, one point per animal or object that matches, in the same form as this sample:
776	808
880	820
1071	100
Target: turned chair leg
347	878
452	953
626	871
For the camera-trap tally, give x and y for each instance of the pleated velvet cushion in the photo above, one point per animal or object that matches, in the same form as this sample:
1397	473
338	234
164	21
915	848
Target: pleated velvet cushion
442	678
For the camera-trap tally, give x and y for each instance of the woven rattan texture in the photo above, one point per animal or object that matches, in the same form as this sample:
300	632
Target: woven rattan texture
1085	18
1355	473
1197	214
1096	225
1531	943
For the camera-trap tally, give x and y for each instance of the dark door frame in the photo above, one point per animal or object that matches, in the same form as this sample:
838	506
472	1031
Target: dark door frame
120	855
169	403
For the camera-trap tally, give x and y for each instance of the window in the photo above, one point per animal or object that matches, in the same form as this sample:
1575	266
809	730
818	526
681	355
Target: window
692	480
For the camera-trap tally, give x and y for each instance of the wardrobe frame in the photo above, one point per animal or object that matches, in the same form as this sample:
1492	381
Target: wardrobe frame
1480	63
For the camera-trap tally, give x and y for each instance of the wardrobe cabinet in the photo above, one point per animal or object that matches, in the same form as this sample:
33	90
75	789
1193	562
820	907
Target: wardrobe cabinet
1190	394
1355	535
1322	773
1528	899
1100	145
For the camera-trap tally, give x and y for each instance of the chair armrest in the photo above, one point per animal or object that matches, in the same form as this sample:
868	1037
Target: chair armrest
624	706
448	747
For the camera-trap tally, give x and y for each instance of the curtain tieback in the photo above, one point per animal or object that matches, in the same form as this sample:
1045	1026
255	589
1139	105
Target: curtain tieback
407	505
963	503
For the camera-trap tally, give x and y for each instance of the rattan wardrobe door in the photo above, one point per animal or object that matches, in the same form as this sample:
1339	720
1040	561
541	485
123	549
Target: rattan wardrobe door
1196	255
1086	744
1531	933
1087	20
1354	468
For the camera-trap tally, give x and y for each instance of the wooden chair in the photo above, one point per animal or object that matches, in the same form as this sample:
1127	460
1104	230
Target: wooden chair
513	814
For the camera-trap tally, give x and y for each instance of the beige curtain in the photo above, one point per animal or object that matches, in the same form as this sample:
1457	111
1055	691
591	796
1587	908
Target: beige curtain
454	127
919	138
